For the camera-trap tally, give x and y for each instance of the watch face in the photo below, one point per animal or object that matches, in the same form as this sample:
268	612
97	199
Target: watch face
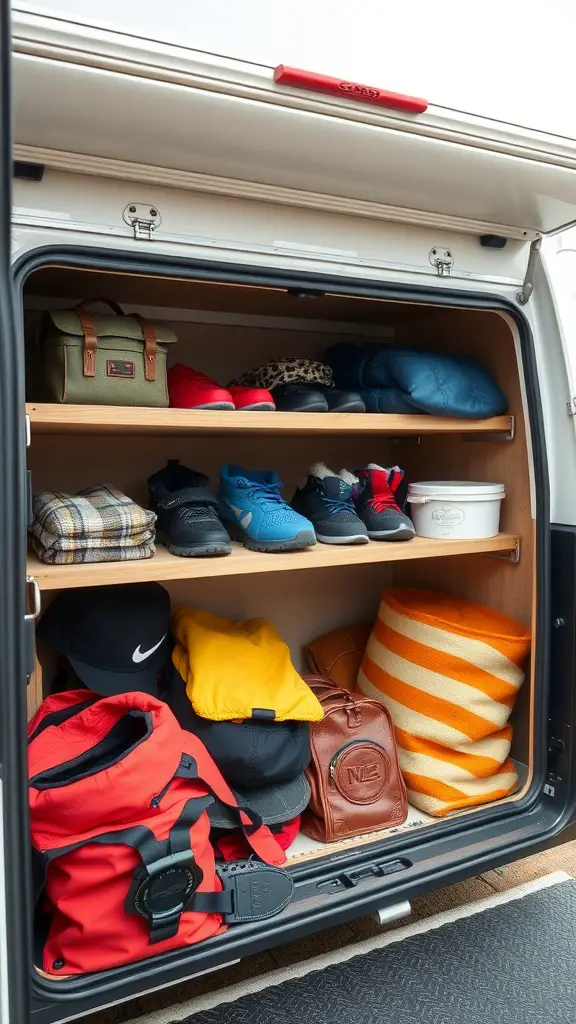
168	891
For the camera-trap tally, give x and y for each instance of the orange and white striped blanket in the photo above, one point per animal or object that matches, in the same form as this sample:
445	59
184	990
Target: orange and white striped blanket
449	671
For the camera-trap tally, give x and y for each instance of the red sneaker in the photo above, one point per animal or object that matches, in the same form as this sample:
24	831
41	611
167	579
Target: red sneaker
251	398
376	504
189	389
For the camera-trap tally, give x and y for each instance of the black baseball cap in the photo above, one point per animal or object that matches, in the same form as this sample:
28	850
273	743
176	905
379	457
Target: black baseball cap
116	638
250	753
275	804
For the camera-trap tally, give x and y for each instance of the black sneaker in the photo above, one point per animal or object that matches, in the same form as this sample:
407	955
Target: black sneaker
188	522
342	401
326	500
375	491
299	398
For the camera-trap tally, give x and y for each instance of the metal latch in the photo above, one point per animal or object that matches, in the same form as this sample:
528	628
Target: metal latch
528	285
350	879
34	600
34	606
442	259
143	219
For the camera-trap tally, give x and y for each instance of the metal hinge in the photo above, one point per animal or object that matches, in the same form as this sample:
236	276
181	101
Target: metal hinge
571	405
442	259
143	219
528	285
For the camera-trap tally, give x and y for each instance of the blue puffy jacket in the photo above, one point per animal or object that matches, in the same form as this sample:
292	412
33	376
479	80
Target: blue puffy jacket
404	380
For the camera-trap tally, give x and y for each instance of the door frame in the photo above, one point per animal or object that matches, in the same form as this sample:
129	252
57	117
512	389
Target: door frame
534	816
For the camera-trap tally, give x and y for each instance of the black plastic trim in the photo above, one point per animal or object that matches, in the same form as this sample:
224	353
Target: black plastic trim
28	171
528	821
562	709
13	632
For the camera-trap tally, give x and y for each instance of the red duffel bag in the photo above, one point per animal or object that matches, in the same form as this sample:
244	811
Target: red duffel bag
118	799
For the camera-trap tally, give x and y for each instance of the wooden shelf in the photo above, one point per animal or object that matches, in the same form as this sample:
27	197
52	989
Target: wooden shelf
164	566
109	419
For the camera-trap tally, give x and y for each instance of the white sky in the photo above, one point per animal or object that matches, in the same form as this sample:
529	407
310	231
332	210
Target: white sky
504	59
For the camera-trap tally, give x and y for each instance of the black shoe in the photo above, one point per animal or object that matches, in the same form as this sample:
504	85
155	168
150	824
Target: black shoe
299	398
188	522
326	500
343	401
375	492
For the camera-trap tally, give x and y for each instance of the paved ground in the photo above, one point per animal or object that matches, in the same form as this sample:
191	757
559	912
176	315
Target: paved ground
561	858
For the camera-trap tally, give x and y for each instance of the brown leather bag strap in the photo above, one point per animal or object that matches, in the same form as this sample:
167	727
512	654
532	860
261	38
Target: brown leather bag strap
150	346
90	342
104	302
325	688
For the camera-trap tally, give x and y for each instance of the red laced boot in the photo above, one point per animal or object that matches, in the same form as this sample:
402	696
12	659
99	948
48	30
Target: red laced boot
375	499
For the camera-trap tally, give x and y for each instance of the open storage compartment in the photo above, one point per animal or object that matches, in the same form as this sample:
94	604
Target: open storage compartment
224	328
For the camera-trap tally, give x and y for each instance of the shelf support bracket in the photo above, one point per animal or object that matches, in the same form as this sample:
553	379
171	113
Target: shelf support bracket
512	556
494	435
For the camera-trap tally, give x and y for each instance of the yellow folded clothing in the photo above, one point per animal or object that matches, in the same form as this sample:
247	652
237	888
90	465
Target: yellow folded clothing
449	672
238	670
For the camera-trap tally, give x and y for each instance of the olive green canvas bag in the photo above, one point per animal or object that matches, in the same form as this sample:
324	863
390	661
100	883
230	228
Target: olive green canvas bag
102	358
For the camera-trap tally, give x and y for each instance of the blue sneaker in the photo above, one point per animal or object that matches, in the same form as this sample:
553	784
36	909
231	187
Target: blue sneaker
255	512
327	500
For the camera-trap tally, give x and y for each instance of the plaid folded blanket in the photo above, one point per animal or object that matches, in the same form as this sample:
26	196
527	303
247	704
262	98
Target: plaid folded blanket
52	557
53	543
97	525
101	511
93	554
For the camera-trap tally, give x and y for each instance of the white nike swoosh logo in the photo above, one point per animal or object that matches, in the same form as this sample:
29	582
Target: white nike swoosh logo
139	655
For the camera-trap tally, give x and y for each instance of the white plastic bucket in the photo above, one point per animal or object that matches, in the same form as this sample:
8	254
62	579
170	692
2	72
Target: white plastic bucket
456	509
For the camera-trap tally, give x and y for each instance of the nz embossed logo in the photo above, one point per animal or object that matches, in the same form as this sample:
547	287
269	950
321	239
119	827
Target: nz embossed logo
363	773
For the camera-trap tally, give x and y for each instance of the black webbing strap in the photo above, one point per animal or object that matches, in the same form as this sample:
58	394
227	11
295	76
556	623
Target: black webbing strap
189	496
179	854
135	837
213	902
188	769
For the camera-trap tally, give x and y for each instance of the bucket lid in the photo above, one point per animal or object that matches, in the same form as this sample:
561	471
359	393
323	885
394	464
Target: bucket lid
456	488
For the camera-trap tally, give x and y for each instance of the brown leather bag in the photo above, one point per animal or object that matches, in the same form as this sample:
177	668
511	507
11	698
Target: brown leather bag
354	774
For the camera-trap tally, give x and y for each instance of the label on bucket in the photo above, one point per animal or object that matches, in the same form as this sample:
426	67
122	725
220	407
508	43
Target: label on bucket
448	515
